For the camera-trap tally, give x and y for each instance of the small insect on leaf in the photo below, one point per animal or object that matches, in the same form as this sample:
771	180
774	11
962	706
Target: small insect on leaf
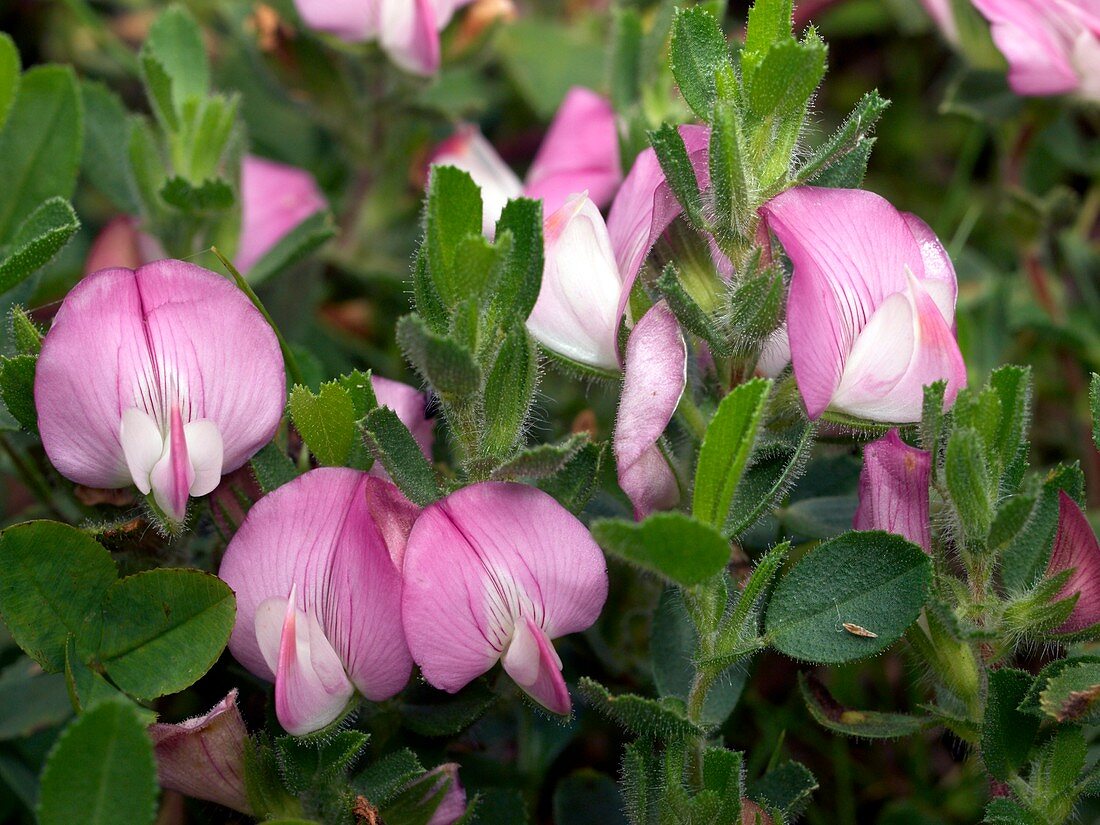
856	630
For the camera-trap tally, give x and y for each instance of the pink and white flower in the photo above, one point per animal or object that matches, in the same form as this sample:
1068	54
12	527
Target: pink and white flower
1076	548
871	306
204	757
495	572
407	30
893	490
275	198
314	569
164	376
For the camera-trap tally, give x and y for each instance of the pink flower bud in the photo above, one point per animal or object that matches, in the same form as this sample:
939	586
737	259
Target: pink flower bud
893	490
1075	548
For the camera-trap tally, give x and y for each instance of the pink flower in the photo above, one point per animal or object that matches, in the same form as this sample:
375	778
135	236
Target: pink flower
580	153
1076	549
1052	46
494	572
204	757
654	381
944	18
121	243
871	305
577	313
453	805
407	30
893	490
165	377
318	595
275	198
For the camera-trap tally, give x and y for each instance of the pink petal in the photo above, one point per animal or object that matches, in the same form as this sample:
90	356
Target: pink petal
167	333
172	476
468	150
410	34
893	490
351	20
1076	548
275	198
453	806
654	380
204	757
580	153
576	314
645	206
939	273
905	346
311	688
122	244
850	250
775	354
393	514
409	404
940	12
317	535
482	562
1037	40
445	10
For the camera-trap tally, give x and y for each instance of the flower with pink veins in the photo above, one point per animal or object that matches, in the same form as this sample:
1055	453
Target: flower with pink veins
204	757
655	377
495	572
1052	46
275	198
871	307
164	376
314	569
580	153
893	490
407	30
1076	548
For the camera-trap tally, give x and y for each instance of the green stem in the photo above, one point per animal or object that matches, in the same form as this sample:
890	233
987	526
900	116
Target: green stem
691	416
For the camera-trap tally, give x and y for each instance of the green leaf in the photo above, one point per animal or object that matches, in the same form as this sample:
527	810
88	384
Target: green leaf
1030	704
874	581
9	76
851	137
1025	556
726	448
769	479
106	162
1007	733
769	22
17	389
642	717
520	279
55	576
452	213
722	770
326	421
147	164
969	484
731	177
1012	385
787	787
25	332
868	724
31	700
303	762
41	144
674	647
788	74
672	545
86	686
544	58
101	771
210	196
382	781
1005	811
1072	694
849	171
690	315
175	64
428	712
699	50
679	172
575	483
163	629
510	390
37	240
542	460
450	369
296	245
625	59
397	451
272	468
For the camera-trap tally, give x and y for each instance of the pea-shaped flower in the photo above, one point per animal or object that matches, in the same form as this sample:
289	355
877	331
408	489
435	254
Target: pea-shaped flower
495	572
871	306
314	569
893	490
1076	549
165	377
